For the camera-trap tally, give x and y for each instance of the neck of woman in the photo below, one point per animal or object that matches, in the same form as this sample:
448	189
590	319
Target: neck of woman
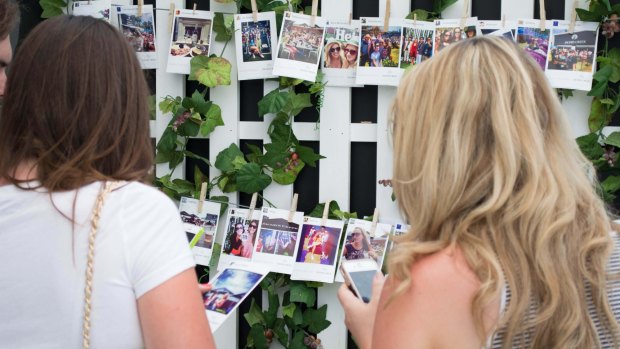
25	171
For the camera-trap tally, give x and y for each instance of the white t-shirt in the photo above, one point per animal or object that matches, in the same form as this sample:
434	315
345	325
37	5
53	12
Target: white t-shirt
140	244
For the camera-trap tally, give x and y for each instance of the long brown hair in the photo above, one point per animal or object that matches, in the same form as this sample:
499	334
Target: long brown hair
75	107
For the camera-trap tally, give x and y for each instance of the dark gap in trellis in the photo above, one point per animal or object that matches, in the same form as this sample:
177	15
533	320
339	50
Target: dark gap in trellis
364	104
30	17
244	198
553	10
250	92
153	145
198	146
203	5
308	3
422	5
362	193
191	86
151	79
365	8
307	183
309	114
486	10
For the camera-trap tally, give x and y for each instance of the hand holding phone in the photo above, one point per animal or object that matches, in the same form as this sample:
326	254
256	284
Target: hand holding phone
358	275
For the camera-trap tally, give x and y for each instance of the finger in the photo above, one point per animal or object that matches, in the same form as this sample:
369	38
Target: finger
204	288
346	297
377	286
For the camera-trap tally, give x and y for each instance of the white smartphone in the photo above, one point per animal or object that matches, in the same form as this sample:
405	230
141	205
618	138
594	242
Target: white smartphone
358	275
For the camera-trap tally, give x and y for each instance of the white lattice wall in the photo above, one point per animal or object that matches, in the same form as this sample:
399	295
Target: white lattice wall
335	134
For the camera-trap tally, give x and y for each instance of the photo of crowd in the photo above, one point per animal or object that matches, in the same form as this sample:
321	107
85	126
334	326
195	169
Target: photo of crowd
299	42
341	48
240	237
277	236
446	36
139	31
417	46
535	42
229	288
256	41
190	37
380	48
572	52
318	245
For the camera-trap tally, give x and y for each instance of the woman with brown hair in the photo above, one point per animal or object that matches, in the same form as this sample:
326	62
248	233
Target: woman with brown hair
509	245
75	119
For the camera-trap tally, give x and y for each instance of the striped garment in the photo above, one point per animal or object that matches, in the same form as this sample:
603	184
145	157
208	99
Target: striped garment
613	289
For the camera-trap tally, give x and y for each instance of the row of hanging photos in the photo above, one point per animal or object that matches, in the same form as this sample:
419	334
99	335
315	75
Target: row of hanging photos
353	53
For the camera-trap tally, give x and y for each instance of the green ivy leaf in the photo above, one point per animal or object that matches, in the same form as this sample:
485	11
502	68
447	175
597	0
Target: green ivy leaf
281	131
199	178
585	15
198	103
210	71
422	15
280	332
228	183
52	8
255	155
607	4
224	159
168	104
272	312
314	284
257	334
192	155
599	89
590	146
285	82
175	159
214	119
251	178
273	102
307	155
284	176
238	162
296	103
598	117
297	342
603	73
302	293
276	153
223	200
254	315
167	141
611	185
316	319
289	310
223	26
189	128
613	139
441	5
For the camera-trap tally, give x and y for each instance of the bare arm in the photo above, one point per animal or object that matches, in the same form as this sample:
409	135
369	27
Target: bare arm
172	315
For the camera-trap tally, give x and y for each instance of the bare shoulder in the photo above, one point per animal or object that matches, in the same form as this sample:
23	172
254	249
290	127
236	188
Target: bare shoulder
438	303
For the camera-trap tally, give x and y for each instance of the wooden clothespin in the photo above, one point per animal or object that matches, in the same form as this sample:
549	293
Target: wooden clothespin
415	18
375	219
203	196
350	17
140	4
386	20
325	213
573	18
254	11
194	9
503	21
465	14
293	209
171	17
252	206
543	15
315	8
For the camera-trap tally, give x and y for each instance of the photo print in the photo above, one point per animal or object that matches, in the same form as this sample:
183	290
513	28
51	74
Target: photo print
533	41
449	31
277	240
340	51
379	56
316	252
299	47
572	56
229	288
240	237
506	28
397	230
191	36
99	9
360	243
200	227
139	32
416	42
255	42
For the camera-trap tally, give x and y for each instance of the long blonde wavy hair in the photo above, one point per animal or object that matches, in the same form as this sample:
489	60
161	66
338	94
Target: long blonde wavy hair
484	161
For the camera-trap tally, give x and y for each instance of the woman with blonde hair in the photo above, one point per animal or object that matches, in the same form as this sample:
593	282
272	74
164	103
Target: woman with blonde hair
509	245
334	55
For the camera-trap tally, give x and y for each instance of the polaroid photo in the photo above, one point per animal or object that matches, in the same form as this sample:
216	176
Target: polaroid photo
229	288
191	36
99	9
240	238
397	230
299	47
200	227
533	41
317	249
277	240
449	31
506	28
379	56
416	42
340	51
361	243
571	61
139	32
255	43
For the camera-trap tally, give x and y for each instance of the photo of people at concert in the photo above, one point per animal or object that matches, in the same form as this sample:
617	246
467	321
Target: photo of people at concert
138	30
190	37
240	237
300	42
341	48
446	36
417	46
318	244
256	41
572	51
229	288
380	48
535	42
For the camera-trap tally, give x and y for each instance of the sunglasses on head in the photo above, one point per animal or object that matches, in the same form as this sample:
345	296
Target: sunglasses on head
346	50
334	49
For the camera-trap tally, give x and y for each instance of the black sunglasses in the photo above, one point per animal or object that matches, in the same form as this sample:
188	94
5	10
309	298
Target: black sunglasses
334	49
